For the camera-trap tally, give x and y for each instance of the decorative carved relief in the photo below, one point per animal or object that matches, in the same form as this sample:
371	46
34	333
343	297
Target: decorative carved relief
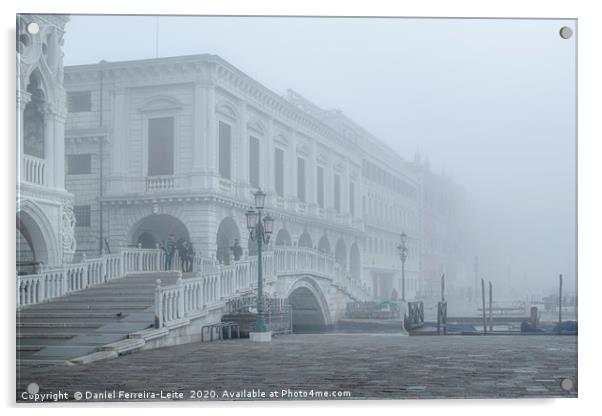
68	232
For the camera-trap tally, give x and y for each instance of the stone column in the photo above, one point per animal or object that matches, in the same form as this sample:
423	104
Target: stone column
199	118
329	184
23	97
345	208
59	149
243	154
118	141
291	187
267	162
211	140
49	145
311	167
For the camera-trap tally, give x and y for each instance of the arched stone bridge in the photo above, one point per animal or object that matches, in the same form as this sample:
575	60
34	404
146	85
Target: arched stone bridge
317	287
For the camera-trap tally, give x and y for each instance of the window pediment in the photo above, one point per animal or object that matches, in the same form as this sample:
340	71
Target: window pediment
161	103
226	109
257	126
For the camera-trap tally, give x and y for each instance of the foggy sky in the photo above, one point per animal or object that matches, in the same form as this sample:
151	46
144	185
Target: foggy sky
489	102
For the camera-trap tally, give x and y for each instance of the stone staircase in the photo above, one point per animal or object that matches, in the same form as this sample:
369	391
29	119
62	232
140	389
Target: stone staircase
80	323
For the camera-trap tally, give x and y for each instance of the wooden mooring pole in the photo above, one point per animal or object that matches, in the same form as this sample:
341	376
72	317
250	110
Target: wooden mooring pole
560	303
483	298
490	307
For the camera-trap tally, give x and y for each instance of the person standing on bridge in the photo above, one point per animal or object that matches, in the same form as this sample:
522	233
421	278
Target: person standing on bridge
236	250
169	247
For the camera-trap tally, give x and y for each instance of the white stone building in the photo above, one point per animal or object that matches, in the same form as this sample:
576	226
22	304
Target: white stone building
44	215
178	145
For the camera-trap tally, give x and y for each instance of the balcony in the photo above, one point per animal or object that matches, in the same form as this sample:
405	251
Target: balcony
33	170
159	183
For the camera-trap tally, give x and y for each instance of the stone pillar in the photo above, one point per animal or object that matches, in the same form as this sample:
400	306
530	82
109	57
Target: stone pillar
291	187
49	146
329	184
242	175
23	97
267	162
199	118
59	149
118	141
311	191
345	208
211	141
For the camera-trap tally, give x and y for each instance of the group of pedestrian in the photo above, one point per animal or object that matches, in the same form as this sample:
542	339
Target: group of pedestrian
184	249
186	252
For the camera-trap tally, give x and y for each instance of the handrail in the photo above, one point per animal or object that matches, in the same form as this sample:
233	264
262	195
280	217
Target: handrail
220	283
212	284
58	281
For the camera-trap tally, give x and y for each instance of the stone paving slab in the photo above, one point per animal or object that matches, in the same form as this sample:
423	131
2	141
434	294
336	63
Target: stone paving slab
382	366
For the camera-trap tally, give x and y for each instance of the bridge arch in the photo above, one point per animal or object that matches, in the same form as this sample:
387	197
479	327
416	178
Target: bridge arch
310	308
153	229
324	244
305	240
340	253
227	234
355	263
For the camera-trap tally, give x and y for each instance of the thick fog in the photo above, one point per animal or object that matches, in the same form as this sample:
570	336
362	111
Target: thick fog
489	102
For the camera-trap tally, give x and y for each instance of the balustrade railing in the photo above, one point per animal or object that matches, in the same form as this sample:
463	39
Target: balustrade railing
34	170
58	281
159	183
220	283
212	284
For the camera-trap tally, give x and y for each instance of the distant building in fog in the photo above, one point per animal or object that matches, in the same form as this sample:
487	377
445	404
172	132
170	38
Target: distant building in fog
444	241
44	219
178	145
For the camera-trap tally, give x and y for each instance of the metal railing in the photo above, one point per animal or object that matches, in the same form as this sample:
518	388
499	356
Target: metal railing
415	317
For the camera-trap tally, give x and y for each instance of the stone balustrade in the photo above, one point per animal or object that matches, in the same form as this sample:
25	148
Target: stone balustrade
33	170
159	183
194	296
58	281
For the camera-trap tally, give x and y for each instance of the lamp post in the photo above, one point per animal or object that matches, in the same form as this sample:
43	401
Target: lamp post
403	255
260	231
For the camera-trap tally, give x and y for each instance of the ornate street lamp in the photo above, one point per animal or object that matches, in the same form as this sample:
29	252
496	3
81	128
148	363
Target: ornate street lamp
260	231
403	255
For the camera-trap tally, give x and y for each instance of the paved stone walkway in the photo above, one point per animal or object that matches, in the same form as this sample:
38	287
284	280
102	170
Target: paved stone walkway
375	366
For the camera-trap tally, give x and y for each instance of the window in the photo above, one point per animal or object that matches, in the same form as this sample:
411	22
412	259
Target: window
225	148
301	179
320	187
82	215
160	146
254	162
79	101
337	193
352	199
279	171
79	164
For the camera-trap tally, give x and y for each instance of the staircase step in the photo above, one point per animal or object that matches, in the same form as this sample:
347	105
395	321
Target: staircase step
80	323
51	330
59	325
67	321
41	342
44	335
78	315
89	307
86	297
